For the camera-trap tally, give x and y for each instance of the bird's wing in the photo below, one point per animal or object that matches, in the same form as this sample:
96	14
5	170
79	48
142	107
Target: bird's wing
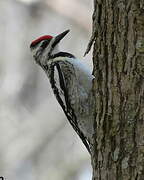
58	83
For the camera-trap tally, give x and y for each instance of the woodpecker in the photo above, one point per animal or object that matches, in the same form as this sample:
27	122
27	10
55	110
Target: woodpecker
71	82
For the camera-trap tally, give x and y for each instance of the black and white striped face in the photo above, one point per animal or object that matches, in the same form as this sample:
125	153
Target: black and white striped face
45	47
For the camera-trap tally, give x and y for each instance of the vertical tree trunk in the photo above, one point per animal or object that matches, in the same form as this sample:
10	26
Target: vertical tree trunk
118	57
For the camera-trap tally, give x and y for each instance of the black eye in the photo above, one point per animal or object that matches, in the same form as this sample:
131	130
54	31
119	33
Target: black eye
45	44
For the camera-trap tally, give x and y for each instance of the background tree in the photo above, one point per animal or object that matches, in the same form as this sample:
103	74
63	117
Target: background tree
118	57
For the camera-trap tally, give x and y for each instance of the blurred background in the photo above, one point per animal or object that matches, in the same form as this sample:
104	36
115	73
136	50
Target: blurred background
36	140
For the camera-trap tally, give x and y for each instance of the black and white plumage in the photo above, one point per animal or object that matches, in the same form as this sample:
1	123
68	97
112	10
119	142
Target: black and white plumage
71	82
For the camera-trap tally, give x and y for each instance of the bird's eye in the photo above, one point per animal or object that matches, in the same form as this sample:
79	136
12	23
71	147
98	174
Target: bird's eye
45	44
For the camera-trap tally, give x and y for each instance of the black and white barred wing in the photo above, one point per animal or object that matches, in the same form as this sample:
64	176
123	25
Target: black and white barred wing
60	82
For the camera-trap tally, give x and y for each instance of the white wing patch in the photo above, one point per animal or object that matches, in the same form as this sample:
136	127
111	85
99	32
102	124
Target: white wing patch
58	85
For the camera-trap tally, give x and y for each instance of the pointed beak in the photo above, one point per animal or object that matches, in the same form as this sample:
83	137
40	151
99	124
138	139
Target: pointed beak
59	37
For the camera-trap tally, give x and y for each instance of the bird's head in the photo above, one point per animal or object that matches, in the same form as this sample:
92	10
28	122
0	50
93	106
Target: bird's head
45	47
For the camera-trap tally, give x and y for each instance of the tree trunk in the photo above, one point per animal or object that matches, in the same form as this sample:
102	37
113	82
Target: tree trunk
118	57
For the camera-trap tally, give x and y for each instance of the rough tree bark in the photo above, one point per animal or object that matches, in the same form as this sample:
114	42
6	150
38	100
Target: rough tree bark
118	57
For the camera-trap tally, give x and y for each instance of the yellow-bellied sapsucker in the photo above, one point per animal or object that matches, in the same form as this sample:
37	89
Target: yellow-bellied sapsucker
71	82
